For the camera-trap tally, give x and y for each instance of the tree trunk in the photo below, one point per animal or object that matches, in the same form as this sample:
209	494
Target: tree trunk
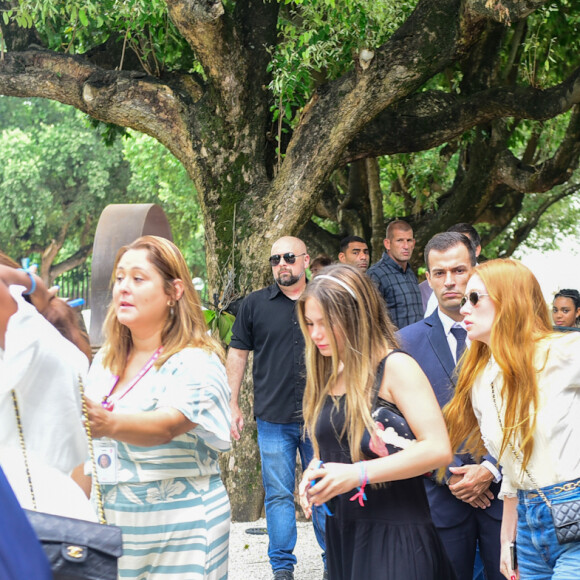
377	215
241	469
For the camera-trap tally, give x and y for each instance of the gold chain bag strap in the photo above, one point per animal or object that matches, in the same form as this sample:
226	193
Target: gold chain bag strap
565	515
96	484
76	549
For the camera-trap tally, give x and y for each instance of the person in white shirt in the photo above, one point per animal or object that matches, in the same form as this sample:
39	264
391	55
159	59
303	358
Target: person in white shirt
517	397
42	368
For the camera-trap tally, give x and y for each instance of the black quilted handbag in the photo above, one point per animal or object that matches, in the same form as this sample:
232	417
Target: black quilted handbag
566	518
76	549
392	432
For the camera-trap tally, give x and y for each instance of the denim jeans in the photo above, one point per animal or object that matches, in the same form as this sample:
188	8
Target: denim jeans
540	556
278	443
478	568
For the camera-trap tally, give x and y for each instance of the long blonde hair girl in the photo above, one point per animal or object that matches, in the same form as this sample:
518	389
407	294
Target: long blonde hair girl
184	327
521	320
353	309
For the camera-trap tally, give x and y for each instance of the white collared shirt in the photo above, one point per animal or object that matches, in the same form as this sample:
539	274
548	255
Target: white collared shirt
448	323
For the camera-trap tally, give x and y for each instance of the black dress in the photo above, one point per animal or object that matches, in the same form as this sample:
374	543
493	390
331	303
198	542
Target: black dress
392	537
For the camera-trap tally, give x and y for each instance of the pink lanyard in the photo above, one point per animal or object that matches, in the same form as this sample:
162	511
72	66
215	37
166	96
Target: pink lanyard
107	403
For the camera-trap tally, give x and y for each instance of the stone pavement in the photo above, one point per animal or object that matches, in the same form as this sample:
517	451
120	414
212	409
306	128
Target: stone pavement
249	553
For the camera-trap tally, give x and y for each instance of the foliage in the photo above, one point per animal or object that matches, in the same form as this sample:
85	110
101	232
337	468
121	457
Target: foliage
414	181
75	26
55	176
221	126
220	323
158	173
326	224
318	42
545	57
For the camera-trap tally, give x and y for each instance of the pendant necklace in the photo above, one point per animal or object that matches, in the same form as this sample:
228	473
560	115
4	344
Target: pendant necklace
109	405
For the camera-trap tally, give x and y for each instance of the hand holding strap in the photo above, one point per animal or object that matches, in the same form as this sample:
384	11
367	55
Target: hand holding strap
97	487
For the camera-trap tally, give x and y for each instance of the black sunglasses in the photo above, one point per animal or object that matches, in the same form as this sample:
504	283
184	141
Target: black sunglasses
473	297
289	258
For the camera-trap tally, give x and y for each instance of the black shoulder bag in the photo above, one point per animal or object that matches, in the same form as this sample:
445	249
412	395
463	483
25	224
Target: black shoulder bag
392	432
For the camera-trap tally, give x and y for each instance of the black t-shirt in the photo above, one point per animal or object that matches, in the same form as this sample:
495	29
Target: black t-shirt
267	323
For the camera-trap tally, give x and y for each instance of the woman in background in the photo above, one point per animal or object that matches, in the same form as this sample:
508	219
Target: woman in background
160	400
384	531
566	308
518	396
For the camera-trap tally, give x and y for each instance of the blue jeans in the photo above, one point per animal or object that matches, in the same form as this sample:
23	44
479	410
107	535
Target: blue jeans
540	556
278	443
478	568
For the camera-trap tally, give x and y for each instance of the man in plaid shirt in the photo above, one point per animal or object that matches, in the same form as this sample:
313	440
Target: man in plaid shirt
394	277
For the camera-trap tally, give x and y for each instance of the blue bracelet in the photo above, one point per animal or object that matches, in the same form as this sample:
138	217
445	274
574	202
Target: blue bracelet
32	282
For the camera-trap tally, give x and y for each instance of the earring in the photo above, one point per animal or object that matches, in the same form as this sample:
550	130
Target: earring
171	304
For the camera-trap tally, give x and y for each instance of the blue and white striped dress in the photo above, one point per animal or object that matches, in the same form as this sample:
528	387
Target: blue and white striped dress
170	500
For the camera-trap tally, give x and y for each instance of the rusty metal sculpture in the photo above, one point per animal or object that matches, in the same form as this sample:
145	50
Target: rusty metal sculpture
119	225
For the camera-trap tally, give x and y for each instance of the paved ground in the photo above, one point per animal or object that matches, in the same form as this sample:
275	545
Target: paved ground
249	553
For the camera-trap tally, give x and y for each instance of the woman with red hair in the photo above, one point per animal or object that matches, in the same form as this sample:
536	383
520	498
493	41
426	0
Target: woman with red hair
518	397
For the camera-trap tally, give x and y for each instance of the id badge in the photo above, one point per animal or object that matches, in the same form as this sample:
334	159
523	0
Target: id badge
107	461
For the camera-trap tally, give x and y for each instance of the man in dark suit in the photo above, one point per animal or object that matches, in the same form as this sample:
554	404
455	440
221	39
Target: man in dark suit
465	508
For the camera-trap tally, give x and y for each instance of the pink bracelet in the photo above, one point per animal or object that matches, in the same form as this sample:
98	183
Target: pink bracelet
363	480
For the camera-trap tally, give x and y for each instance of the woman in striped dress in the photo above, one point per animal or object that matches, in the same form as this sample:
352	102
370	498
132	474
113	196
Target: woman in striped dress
159	405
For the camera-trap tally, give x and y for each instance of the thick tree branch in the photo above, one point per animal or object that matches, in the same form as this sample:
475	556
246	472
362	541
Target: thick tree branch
503	205
73	261
504	11
49	253
207	29
429	119
544	176
319	241
376	203
437	34
256	22
128	99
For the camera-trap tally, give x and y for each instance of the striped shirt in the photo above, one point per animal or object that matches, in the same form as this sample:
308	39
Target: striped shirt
170	501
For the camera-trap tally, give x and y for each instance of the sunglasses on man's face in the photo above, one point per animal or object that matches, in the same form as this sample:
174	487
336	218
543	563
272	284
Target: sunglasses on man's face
289	258
473	297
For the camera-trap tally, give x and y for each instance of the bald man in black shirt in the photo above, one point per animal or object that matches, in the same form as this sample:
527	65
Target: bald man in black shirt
267	324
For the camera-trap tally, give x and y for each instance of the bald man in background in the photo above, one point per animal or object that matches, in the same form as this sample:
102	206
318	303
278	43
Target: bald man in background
267	324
